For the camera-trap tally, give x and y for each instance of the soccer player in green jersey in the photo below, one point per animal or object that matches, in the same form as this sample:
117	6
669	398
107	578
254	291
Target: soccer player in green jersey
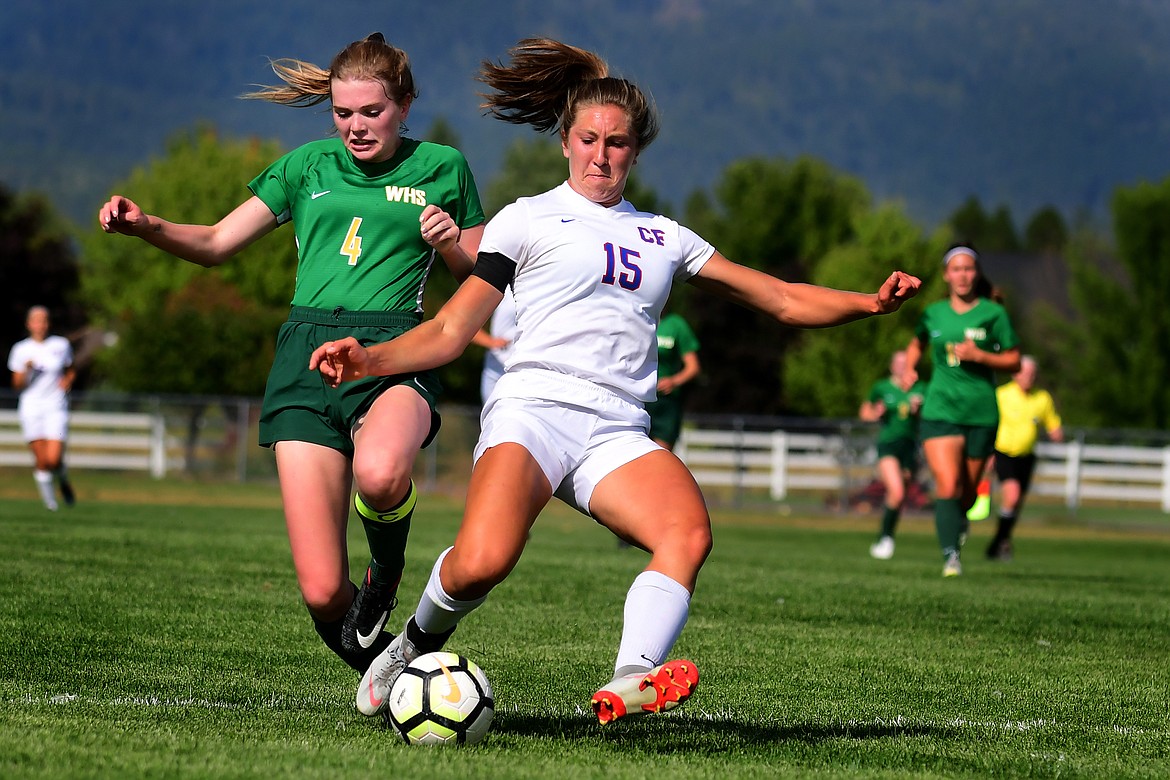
895	403
678	363
371	210
969	337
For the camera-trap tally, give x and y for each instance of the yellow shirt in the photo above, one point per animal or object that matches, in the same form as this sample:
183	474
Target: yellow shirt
1020	416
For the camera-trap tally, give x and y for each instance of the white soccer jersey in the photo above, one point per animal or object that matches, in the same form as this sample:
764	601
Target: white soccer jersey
590	285
502	326
49	359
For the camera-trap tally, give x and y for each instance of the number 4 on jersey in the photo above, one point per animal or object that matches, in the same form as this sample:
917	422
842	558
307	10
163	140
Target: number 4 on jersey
351	247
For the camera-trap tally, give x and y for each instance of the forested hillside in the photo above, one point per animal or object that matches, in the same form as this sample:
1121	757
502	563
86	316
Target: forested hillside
1017	103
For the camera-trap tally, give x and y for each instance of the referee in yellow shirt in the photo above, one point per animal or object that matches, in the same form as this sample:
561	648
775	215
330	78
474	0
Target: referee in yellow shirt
1023	409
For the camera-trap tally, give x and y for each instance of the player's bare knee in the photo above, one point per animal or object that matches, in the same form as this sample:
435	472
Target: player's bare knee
326	600
473	574
381	484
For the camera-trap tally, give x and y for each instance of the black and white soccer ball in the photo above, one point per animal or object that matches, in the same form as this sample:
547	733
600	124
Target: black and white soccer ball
441	699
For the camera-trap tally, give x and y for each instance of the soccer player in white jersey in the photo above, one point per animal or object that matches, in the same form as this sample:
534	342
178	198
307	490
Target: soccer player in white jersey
590	275
42	371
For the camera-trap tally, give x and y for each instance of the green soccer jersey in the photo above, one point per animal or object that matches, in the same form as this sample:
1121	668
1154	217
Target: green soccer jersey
675	339
898	422
357	224
963	393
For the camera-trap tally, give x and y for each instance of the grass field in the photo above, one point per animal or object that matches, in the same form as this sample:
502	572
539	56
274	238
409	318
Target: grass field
154	630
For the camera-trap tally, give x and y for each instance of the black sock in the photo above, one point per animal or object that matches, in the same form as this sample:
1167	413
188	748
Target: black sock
1007	521
330	634
423	641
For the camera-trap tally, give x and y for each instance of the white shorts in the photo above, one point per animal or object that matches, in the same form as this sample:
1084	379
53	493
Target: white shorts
576	443
51	424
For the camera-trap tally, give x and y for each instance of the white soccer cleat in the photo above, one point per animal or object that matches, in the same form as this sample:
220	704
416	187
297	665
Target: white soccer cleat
882	549
953	568
373	693
662	688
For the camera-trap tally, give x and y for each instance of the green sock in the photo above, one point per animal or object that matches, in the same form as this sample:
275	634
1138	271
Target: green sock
889	521
386	533
948	522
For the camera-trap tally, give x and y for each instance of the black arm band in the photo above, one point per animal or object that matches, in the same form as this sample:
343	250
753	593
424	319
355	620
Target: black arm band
495	269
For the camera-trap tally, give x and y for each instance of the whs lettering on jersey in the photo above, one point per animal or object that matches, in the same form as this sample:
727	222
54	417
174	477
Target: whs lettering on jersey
406	195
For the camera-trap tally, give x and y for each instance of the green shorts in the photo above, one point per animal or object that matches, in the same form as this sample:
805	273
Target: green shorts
300	406
905	450
665	419
979	440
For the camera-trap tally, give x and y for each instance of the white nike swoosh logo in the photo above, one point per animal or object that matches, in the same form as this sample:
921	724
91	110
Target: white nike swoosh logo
316	195
365	640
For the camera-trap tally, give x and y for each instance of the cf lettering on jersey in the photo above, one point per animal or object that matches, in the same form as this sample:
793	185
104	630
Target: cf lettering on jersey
406	195
652	236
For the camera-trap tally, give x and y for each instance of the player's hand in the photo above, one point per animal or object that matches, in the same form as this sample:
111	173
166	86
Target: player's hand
340	361
438	228
122	215
967	352
896	290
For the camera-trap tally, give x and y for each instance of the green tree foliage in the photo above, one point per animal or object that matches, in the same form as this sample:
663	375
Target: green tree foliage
38	267
782	217
151	300
827	372
1119	351
530	166
234	340
1046	232
443	132
995	232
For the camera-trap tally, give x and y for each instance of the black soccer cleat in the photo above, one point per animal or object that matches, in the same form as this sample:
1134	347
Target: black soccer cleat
367	615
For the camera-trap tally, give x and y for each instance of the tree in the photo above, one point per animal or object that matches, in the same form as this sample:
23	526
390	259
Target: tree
443	132
150	299
530	166
828	372
1119	350
1046	232
994	232
782	217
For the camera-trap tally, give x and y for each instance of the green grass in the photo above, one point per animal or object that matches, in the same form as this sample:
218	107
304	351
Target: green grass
167	640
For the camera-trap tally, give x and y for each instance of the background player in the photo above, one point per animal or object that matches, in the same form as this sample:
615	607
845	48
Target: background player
970	337
894	402
42	372
678	364
1023	410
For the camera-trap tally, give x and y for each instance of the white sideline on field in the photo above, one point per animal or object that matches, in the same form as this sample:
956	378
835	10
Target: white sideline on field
725	713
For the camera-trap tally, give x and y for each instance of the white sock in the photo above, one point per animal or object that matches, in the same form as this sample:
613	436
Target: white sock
656	611
45	486
438	612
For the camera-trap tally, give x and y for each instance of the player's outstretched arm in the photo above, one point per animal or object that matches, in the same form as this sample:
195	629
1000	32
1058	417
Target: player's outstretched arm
802	305
434	343
205	245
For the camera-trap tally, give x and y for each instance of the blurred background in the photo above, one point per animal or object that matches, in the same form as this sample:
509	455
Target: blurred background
825	141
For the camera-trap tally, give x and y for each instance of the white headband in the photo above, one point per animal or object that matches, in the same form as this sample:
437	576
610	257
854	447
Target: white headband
959	250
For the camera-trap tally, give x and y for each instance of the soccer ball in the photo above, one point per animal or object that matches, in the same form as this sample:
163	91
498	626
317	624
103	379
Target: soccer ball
441	699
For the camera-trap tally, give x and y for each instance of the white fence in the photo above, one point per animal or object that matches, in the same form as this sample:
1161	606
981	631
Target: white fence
97	440
782	461
1079	471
